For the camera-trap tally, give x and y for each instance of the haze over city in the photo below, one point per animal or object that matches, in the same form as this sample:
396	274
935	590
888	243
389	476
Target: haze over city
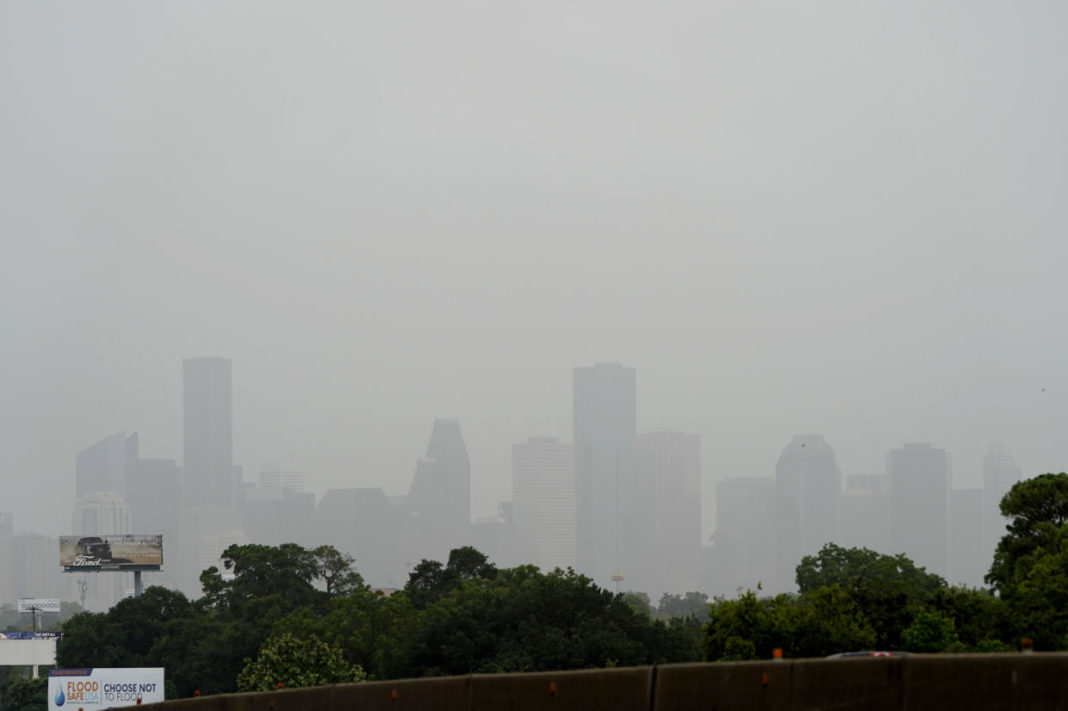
837	219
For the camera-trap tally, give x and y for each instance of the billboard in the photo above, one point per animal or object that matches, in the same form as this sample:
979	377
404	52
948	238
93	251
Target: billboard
38	604
101	688
116	552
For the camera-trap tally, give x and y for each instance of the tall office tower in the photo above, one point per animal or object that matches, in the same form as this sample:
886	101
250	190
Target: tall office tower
495	537
210	513
543	502
207	461
7	562
106	465
36	573
364	524
154	492
920	482
287	481
605	428
439	504
664	533
862	513
745	526
103	514
1000	472
966	563
808	486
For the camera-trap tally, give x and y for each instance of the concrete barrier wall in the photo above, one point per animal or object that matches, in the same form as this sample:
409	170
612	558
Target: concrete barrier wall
1002	682
628	689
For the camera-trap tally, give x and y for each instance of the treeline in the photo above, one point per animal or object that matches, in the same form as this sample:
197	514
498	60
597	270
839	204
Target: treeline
290	615
856	599
298	617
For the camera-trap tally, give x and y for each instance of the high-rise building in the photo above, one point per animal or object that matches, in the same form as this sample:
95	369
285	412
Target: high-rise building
36	569
103	514
286	480
543	502
605	429
7	561
365	524
920	482
210	514
966	563
207	461
862	513
745	534
439	504
106	465
664	532
1000	472
494	536
808	486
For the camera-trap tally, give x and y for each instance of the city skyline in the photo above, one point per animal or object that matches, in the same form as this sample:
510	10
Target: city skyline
635	498
843	219
709	479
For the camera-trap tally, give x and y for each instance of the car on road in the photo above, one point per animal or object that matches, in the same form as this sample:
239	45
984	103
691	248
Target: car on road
843	655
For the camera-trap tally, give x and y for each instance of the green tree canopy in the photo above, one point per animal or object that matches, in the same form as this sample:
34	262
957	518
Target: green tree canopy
931	631
749	626
524	620
692	604
888	590
1037	510
294	662
430	580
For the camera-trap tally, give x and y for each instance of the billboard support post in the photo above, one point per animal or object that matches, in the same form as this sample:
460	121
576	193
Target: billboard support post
138	589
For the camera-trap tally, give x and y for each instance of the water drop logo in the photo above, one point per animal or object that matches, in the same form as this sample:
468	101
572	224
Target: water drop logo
61	698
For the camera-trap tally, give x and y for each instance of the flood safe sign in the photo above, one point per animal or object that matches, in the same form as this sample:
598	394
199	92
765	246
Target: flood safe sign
99	688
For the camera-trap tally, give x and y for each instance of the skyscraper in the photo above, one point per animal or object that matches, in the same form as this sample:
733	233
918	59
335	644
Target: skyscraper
664	535
808	486
103	514
966	563
106	465
605	427
744	533
439	504
7	561
207	461
920	484
1000	472
862	513
543	502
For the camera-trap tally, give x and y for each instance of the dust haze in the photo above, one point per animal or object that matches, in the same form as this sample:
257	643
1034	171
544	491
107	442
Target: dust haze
839	219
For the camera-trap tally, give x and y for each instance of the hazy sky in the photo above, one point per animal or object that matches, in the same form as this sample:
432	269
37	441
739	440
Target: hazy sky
837	217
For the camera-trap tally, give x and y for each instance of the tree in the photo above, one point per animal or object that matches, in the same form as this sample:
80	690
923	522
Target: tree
749	625
980	618
430	580
930	632
830	621
295	662
372	629
20	694
1037	509
691	604
285	573
336	571
525	620
639	602
1039	601
888	590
